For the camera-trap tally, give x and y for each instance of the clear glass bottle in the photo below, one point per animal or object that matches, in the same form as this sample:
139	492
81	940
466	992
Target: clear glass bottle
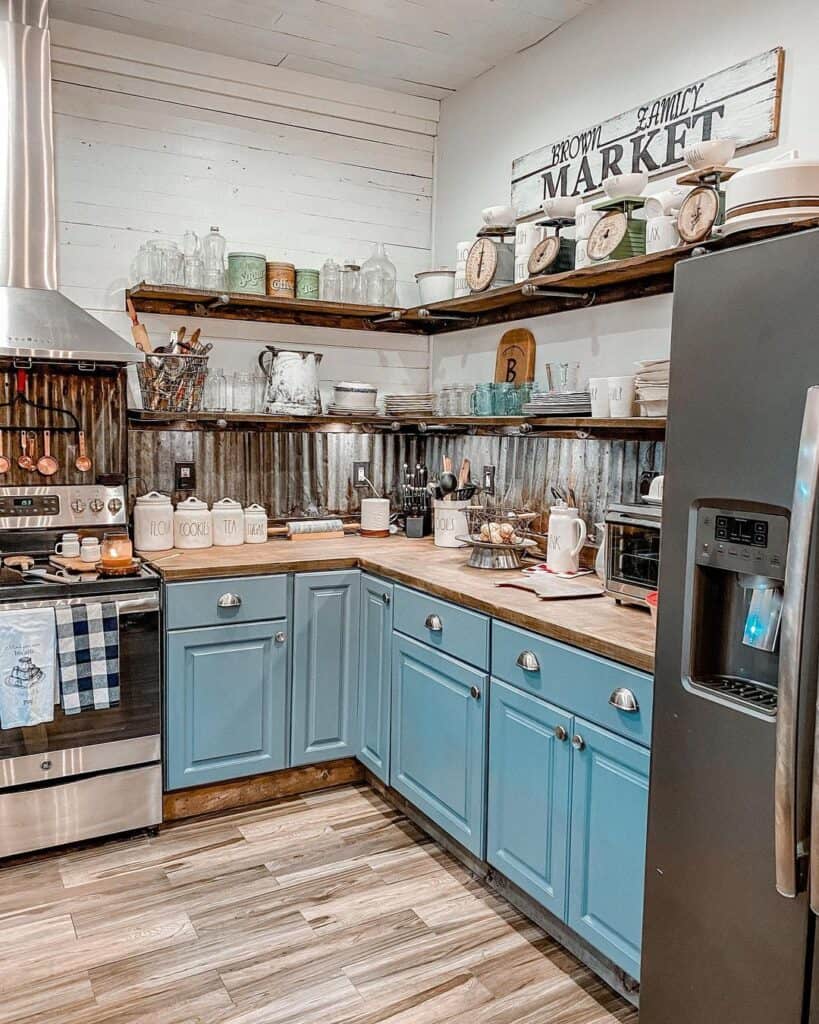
351	282
213	257
330	282
378	276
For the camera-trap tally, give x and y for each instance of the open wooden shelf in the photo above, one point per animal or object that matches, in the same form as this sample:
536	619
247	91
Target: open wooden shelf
636	278
650	428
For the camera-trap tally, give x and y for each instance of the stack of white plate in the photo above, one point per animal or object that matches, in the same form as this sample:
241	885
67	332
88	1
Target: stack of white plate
553	403
409	405
651	385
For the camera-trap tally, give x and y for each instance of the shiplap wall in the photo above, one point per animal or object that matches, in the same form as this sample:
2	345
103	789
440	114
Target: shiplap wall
154	138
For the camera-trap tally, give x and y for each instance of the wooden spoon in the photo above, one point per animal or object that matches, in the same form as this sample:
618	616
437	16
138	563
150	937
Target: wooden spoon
5	465
24	461
82	462
47	465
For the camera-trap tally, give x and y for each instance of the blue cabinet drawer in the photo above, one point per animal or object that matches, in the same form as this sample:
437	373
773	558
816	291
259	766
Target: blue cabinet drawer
215	602
581	683
456	631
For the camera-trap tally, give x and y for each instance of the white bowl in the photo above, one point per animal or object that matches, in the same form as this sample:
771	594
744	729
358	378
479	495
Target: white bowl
435	285
560	206
499	216
706	154
618	185
354	395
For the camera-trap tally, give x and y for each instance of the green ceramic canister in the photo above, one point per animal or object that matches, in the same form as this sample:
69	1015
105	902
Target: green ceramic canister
246	273
307	283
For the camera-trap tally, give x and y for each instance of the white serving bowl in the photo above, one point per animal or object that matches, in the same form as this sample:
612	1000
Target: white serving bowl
780	190
499	216
560	206
355	396
709	153
435	285
618	185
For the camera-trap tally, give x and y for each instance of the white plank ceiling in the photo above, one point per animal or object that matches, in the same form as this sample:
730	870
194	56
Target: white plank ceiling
424	48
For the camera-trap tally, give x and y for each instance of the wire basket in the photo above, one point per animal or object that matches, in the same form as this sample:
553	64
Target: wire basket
172	382
499	523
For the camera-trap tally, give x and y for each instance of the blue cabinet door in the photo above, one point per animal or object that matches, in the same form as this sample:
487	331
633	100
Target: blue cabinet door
608	842
438	745
374	675
325	666
530	763
226	702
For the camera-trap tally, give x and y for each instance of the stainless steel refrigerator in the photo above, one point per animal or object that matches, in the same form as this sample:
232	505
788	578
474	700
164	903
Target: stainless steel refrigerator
728	925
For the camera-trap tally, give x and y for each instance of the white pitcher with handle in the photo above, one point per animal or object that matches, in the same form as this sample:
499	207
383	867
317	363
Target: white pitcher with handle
567	535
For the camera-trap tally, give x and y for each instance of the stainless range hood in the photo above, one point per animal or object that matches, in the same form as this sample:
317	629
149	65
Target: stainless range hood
36	321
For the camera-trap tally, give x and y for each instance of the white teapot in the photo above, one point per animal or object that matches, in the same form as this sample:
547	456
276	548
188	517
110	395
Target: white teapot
567	535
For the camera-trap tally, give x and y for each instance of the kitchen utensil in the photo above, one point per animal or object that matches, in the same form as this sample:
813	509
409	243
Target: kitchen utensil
313	529
449	523
292	381
82	462
5	465
139	331
585	218
499	216
153	522
515	359
699	212
486	555
447	482
68	545
435	285
776	191
709	152
32	451
567	534
355	396
662	234
661	204
560	206
192	524
464	473
616	186
24	460
90	551
255	524
549	587
228	523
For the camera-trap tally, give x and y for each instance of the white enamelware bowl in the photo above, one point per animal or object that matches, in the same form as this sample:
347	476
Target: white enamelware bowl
710	152
560	206
777	191
354	395
435	285
618	185
499	216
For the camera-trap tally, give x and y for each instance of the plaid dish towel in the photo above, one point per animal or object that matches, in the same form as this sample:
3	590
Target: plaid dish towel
88	652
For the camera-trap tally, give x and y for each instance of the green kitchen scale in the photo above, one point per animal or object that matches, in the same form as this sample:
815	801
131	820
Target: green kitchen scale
703	208
618	235
555	253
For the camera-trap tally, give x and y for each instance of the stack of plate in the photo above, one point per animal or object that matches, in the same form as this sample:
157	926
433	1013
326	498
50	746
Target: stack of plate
651	384
552	403
409	405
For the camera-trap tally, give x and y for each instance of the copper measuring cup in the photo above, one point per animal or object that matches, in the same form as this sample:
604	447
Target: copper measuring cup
5	465
47	465
82	462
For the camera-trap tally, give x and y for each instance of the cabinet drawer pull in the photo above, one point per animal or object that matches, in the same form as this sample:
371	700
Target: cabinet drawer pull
434	624
578	742
624	700
527	660
280	638
385	598
561	734
475	692
229	601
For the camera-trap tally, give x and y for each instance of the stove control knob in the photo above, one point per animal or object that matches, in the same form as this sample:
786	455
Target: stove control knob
77	506
114	505
96	505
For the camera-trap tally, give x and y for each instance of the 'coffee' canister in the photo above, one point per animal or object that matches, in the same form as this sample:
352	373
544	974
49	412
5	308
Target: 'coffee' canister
255	524
153	522
228	523
281	280
192	524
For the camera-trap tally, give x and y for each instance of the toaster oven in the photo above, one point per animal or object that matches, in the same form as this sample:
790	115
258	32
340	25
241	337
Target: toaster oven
632	551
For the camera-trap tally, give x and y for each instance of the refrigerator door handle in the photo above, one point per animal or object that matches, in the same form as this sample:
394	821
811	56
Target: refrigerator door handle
791	847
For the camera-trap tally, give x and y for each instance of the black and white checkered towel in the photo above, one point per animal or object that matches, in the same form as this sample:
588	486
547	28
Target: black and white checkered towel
88	651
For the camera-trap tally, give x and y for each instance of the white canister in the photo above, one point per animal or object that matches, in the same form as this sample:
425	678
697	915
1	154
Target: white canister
567	535
599	397
461	287
228	523
661	234
527	237
153	522
462	250
581	254
449	522
255	524
375	517
192	524
521	269
585	219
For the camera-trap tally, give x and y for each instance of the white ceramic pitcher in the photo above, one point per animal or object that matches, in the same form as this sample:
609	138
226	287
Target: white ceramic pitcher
292	382
567	535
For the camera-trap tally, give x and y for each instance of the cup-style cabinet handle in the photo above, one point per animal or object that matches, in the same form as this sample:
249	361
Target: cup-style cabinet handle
386	598
578	742
434	624
280	638
229	601
475	692
624	700
527	660
561	734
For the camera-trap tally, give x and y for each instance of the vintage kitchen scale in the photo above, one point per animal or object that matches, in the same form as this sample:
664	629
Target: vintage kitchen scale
618	235
490	262
555	253
703	208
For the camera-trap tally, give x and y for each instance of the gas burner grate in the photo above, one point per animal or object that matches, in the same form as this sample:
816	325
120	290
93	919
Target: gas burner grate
742	691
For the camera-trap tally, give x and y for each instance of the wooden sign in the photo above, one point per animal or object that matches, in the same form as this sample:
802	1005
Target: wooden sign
515	361
742	102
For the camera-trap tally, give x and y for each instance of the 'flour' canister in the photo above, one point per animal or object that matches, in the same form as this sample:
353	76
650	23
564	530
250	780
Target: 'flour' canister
192	524
153	522
255	524
228	523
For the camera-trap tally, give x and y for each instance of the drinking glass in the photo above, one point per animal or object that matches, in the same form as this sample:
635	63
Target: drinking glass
463	399
501	400
149	263
190	244
259	392
194	273
482	401
351	283
215	397
243	394
563	377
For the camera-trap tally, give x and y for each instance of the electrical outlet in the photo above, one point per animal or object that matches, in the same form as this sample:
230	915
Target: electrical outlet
361	474
488	479
185	476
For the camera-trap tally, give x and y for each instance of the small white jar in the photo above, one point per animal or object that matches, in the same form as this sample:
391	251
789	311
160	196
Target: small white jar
153	522
192	525
255	524
228	523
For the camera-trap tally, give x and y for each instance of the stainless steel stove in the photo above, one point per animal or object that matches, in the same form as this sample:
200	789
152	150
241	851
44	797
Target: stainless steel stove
97	772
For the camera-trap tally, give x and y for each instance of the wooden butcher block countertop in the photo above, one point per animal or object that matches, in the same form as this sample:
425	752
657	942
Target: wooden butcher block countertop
622	633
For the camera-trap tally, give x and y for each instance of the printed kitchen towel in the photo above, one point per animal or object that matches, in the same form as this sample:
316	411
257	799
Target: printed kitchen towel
28	667
88	650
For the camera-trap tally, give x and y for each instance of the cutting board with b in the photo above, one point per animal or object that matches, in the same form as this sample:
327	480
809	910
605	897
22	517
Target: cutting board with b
515	361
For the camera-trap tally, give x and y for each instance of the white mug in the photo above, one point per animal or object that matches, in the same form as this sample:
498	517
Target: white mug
521	269
68	546
527	237
585	219
621	397
581	254
462	251
661	234
665	202
90	550
599	395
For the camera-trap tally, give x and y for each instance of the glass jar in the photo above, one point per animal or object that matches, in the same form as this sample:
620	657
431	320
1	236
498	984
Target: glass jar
462	400
190	244
149	263
351	283
259	392
213	257
194	273
243	392
378	276
215	397
482	402
330	282
174	267
116	550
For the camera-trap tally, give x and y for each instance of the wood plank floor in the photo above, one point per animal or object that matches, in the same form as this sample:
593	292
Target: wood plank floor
328	907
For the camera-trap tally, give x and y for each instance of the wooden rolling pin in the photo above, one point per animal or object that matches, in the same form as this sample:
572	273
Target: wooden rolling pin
313	529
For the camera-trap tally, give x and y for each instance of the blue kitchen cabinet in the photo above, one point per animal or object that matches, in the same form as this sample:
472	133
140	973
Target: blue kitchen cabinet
530	762
439	736
326	637
375	675
608	842
226	702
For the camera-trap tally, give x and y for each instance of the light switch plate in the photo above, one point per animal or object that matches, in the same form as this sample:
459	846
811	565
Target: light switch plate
488	479
185	476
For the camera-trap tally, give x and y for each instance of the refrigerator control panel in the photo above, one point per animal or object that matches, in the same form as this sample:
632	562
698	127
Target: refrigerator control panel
739	541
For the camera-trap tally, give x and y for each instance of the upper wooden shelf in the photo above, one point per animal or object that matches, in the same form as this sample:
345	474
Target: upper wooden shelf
539	296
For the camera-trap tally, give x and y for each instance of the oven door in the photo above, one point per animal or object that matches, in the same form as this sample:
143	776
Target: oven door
632	558
95	741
